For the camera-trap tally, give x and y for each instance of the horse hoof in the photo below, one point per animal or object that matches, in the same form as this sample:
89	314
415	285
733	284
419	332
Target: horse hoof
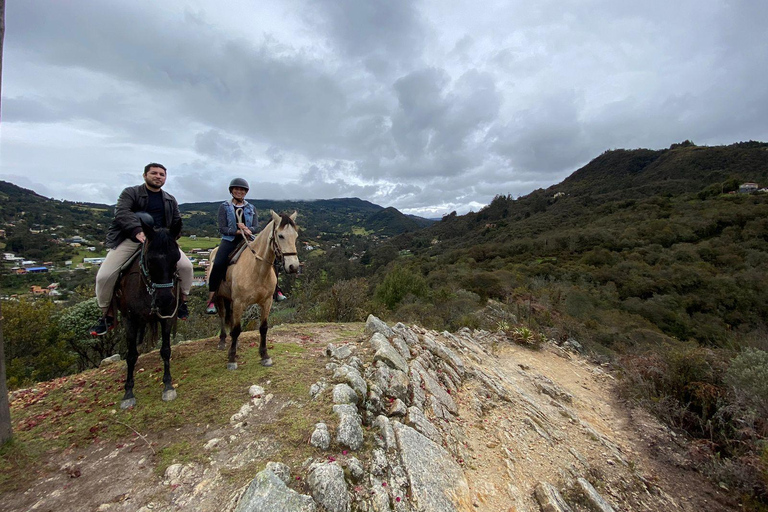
169	395
231	366
128	403
222	345
266	362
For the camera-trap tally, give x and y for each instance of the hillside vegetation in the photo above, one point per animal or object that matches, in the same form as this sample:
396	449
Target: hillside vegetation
646	258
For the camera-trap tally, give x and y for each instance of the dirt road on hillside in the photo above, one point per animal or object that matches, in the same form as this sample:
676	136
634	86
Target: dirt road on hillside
503	455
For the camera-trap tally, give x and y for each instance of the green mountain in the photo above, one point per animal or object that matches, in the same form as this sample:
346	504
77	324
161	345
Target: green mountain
635	241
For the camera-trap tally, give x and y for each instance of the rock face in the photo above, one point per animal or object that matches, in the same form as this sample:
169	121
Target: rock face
267	493
421	421
414	405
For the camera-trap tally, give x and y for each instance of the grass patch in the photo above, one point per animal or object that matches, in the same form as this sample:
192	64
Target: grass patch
83	409
201	242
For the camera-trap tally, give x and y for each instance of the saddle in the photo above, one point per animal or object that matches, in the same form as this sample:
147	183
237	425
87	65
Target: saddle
236	252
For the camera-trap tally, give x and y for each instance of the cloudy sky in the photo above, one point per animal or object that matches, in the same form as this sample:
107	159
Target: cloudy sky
429	106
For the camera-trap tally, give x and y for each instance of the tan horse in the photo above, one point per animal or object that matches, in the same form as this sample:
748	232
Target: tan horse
251	280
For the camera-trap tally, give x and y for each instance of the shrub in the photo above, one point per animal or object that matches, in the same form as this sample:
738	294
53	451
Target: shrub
399	283
748	378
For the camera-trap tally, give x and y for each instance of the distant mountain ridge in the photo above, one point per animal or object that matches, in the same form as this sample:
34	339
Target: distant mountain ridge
333	217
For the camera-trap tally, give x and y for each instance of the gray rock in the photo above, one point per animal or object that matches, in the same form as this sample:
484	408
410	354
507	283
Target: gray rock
342	352
256	391
356	469
282	471
417	420
316	388
267	493
433	387
373	324
398	408
109	360
410	337
328	487
379	463
353	378
343	394
386	433
350	430
550	499
377	341
401	346
596	501
391	357
321	438
437	482
393	383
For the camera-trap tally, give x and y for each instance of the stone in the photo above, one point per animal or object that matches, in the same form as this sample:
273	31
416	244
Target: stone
391	357
356	469
328	487
373	324
598	504
417	420
350	430
267	492
343	394
437	482
549	498
282	471
109	360
353	378
321	438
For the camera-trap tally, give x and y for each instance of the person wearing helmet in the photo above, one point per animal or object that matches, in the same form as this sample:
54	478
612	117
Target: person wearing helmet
237	217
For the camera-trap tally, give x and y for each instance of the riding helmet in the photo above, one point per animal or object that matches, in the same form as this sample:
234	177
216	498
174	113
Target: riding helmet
238	182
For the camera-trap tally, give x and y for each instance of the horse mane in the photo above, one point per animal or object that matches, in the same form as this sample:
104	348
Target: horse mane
286	219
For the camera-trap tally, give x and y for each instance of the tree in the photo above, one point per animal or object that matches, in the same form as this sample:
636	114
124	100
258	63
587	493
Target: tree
5	410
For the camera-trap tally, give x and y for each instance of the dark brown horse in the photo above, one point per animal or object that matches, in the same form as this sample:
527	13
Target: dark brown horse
147	295
252	280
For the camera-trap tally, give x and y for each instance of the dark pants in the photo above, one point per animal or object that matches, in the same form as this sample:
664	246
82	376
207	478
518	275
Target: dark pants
219	269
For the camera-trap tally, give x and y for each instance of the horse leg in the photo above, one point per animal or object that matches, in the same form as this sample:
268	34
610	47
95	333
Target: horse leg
234	319
234	334
225	316
169	393
133	354
265	359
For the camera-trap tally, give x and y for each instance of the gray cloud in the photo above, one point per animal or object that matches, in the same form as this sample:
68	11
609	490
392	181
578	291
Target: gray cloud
423	105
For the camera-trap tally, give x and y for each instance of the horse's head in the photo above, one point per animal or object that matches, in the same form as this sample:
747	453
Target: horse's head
161	255
286	232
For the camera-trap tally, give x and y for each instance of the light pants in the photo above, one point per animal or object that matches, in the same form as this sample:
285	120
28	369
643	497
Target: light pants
116	258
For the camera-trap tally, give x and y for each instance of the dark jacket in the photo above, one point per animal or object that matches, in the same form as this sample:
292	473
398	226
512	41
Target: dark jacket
126	224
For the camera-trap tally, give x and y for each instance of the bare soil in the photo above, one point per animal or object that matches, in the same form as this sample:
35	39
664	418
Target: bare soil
498	451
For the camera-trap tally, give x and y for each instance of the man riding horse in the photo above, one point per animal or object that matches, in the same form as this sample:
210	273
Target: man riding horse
125	236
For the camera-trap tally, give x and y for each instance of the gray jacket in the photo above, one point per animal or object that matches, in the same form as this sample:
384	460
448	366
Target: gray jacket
126	224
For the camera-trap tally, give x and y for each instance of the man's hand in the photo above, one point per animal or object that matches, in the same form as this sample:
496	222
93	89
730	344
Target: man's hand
141	237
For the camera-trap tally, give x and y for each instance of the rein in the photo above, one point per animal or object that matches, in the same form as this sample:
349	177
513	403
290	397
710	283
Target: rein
275	247
153	287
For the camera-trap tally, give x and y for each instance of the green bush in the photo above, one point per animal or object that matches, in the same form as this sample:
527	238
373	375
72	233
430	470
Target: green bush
748	378
399	283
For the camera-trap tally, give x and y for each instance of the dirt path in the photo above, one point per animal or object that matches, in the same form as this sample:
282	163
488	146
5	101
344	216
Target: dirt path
504	447
582	429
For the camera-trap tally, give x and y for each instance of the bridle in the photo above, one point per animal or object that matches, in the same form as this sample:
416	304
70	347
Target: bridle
153	287
275	246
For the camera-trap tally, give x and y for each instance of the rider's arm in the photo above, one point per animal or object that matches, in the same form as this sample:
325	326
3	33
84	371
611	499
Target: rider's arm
224	228
125	215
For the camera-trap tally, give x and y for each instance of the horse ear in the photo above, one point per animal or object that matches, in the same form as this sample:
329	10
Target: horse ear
293	215
275	217
147	223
